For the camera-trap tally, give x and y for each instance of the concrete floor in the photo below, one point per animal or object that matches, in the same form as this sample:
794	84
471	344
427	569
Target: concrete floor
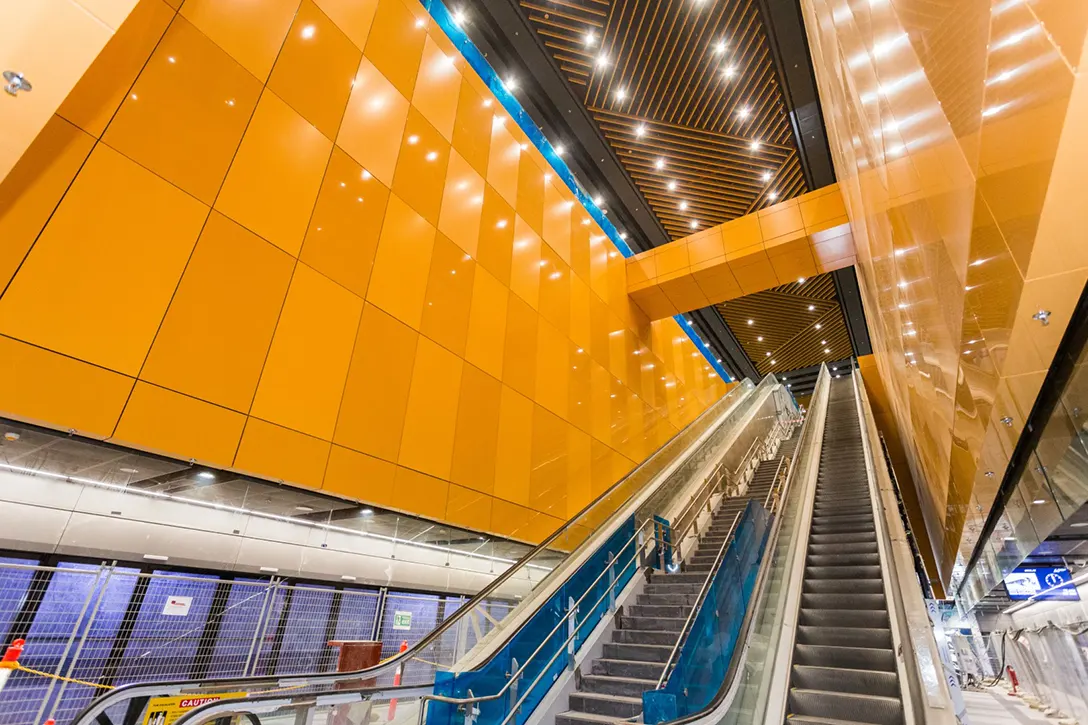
995	707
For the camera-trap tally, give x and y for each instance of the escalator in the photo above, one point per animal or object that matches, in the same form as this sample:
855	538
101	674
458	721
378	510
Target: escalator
844	665
567	586
646	633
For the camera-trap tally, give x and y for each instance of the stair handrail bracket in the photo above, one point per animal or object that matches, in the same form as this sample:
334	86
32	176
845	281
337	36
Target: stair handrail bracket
925	696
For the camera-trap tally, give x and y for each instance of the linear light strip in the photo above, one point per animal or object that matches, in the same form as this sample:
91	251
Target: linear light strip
258	514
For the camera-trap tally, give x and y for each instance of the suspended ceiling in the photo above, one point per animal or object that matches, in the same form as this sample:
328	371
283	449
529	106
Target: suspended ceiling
687	96
792	326
701	81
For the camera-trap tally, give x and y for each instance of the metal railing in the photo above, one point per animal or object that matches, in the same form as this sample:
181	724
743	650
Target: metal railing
597	516
647	535
90	628
770	504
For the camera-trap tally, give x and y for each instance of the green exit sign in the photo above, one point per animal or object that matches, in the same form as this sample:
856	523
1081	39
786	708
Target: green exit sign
402	620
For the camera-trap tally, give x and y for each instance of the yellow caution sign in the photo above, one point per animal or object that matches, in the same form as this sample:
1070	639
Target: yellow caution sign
165	710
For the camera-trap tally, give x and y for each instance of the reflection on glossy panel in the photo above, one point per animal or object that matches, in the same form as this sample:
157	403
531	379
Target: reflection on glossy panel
311	234
955	130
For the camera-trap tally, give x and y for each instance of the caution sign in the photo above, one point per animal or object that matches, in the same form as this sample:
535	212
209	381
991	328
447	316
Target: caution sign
165	710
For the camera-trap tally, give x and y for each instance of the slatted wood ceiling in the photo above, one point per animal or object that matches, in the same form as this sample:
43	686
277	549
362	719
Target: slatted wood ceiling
788	328
663	54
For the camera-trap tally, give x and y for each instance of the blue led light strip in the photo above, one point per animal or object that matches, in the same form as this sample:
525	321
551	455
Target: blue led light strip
441	14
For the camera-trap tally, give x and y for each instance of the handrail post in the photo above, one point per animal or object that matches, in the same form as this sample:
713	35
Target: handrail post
642	564
572	627
611	583
515	671
472	711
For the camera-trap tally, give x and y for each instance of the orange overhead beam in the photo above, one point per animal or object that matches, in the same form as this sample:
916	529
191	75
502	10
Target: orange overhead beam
801	237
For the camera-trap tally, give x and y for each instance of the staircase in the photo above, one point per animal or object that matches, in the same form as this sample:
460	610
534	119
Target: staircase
843	670
646	633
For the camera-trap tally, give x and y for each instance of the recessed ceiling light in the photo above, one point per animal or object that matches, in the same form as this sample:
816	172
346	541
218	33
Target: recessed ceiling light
772	195
719	47
640	130
751	322
621	93
693	224
754	146
800	280
823	342
602	60
598	200
767	354
811	308
759	339
826	350
671	186
510	83
773	362
590	39
818	325
683	206
743	112
729	71
659	164
766	176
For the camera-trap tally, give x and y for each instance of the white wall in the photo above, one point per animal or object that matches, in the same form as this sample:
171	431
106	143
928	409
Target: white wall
51	515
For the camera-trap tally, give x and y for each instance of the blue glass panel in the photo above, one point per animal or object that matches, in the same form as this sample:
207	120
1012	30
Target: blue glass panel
549	662
704	657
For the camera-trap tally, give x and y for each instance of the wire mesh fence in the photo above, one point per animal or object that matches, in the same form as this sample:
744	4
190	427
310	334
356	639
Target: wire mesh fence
91	627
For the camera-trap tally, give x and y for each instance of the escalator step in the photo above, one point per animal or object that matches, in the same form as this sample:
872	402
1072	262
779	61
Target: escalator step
876	637
843	601
843	559
843	538
849	706
839	679
844	586
855	658
842	572
863	618
843	547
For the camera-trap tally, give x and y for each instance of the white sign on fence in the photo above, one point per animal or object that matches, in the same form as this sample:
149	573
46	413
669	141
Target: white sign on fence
177	606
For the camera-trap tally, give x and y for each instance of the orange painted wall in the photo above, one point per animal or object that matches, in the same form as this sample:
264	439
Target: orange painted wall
958	135
300	239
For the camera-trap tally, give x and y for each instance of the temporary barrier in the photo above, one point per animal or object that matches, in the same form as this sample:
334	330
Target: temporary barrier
89	627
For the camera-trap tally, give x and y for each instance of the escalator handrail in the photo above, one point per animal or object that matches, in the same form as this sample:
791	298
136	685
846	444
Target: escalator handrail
129	691
699	600
727	691
206	712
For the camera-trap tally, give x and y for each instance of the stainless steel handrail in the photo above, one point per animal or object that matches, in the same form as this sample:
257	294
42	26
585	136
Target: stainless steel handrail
715	477
125	692
700	600
572	612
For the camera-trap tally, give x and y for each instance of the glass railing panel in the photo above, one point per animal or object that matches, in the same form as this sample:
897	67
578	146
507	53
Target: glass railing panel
766	628
703	659
433	652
